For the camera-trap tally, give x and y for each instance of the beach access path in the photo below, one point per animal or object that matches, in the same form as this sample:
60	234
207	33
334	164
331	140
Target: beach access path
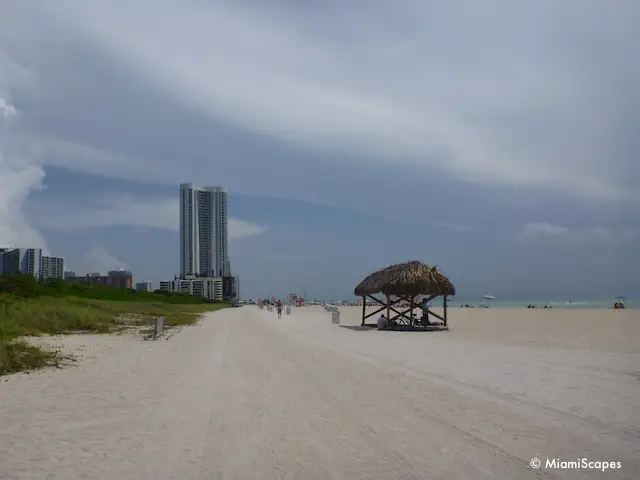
245	395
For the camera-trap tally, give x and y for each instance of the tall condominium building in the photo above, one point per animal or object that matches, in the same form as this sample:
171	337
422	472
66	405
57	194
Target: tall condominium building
27	261
204	238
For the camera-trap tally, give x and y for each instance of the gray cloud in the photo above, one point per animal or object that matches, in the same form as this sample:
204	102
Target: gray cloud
482	113
492	94
454	227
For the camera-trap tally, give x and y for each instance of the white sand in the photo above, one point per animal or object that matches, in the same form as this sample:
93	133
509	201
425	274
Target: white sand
245	395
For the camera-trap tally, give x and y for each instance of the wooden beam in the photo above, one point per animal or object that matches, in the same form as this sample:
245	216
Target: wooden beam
373	313
384	305
426	300
403	313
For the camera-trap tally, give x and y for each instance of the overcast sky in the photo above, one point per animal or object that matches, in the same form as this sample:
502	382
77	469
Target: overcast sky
496	139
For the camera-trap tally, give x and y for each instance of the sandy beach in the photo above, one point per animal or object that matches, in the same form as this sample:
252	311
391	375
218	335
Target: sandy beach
245	395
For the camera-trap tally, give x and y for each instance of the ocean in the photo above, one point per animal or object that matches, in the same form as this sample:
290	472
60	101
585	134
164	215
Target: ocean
591	304
575	303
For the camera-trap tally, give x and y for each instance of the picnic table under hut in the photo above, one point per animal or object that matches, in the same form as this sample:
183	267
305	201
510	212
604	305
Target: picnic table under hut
412	284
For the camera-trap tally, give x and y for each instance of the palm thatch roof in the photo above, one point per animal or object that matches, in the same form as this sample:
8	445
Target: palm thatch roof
406	279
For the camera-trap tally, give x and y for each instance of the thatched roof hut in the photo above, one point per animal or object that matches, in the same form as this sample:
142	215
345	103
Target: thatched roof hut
404	282
407	280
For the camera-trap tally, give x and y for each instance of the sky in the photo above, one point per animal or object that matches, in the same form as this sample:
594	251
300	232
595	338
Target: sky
497	140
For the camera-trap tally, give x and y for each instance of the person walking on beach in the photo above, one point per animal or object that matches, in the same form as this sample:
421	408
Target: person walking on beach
279	307
425	313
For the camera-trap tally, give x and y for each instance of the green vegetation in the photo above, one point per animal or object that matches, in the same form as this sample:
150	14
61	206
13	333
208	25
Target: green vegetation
28	308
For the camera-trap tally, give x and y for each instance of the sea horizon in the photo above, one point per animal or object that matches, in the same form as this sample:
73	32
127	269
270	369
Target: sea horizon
573	303
606	303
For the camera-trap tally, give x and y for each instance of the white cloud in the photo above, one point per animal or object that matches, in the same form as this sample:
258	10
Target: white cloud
241	228
549	232
6	110
17	180
163	213
99	260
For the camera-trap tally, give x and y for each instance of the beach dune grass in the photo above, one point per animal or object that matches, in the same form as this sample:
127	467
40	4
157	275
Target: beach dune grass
17	355
29	309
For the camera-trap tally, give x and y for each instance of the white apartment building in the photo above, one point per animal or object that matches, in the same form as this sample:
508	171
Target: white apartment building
52	268
144	287
204	237
27	261
208	287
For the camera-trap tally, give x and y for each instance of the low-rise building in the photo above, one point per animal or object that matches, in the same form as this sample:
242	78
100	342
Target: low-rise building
121	272
208	287
52	268
118	281
144	287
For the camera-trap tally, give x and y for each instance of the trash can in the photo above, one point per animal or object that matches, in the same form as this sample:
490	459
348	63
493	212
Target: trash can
288	310
335	317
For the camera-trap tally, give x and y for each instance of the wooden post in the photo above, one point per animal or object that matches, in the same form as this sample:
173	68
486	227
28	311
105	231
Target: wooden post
444	304
388	311
411	311
364	309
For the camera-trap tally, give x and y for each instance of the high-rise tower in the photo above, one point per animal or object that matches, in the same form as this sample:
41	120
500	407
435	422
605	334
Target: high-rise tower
204	237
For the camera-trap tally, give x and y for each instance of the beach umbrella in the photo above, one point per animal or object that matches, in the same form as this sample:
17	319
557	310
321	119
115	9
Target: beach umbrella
488	298
624	297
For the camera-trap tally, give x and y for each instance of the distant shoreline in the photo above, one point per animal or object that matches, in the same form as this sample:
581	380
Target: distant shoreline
519	304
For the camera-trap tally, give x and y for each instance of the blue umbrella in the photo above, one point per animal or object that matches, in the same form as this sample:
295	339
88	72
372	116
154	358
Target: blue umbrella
624	297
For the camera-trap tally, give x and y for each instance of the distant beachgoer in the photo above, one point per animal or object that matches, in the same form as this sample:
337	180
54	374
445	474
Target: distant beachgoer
382	322
279	307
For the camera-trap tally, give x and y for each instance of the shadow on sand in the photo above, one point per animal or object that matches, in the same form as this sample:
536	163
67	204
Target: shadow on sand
358	328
